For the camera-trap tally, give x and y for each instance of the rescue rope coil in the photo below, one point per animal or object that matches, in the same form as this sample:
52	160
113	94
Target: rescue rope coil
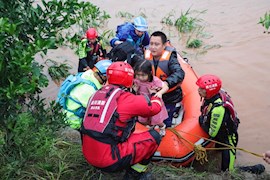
200	152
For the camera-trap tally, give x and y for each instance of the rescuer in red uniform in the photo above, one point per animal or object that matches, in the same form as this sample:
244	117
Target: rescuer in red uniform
108	141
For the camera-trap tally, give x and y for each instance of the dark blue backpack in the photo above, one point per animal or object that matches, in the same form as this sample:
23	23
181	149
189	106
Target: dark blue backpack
124	34
64	93
122	30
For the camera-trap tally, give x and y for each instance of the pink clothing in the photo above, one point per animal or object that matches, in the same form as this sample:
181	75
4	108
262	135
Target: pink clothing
143	90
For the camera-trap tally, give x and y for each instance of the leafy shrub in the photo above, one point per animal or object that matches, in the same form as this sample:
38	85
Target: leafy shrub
26	30
31	137
265	21
186	23
105	37
58	71
195	43
28	124
168	19
126	15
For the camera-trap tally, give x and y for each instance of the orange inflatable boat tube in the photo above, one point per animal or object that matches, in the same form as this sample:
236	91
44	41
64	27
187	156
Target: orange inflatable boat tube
178	144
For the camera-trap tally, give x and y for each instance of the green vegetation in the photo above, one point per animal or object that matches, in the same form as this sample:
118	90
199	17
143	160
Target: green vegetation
126	15
191	34
105	37
195	43
31	143
168	20
265	21
29	146
58	72
187	25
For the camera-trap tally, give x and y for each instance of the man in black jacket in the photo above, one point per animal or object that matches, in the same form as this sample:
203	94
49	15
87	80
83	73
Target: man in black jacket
167	68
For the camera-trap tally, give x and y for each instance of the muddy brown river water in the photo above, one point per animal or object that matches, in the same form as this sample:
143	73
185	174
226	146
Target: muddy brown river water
238	52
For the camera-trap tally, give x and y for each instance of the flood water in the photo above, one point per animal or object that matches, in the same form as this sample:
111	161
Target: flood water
234	48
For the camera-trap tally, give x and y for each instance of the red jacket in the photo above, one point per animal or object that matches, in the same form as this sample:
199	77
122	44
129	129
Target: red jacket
129	105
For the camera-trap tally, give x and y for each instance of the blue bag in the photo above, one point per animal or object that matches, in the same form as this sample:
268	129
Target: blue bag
123	30
64	93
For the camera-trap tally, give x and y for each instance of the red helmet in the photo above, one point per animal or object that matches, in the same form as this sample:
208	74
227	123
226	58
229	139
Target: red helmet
120	73
91	33
210	83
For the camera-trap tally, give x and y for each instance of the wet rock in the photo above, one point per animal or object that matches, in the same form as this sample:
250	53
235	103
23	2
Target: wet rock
71	135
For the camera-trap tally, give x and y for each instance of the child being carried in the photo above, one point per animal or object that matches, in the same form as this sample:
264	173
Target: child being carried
145	80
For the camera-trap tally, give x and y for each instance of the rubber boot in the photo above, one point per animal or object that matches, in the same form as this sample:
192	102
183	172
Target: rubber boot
131	174
256	169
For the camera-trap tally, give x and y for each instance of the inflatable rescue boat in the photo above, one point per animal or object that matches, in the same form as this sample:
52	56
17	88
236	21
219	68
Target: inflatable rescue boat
177	145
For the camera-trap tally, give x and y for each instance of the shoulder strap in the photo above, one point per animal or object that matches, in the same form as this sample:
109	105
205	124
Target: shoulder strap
226	103
96	48
67	86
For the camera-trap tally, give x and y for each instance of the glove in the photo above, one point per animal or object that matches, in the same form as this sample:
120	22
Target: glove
83	61
203	124
118	42
201	120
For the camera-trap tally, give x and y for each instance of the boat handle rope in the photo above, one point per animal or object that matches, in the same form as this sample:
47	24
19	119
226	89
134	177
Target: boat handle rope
200	152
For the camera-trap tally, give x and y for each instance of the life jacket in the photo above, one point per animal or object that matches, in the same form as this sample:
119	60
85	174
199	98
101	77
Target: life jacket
123	33
231	124
101	116
94	49
161	69
64	93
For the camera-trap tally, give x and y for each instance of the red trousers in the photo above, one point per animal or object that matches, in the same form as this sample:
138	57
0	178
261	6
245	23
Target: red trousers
137	148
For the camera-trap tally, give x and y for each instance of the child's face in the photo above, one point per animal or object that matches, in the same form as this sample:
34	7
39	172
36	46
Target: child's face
92	41
202	92
139	33
142	76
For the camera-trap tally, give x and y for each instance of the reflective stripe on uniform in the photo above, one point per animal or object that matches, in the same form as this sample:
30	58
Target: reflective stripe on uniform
156	101
232	152
147	54
102	118
82	49
166	55
139	167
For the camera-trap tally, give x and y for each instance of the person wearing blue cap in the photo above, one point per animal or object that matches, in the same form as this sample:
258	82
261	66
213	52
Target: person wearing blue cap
135	33
77	89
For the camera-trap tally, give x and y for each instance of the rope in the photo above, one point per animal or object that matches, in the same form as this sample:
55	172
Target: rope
200	152
179	136
223	148
232	147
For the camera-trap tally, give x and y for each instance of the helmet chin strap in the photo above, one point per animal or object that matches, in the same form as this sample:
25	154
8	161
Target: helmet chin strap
101	77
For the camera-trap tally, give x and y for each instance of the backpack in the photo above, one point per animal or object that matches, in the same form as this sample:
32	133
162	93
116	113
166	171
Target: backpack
101	116
122	30
64	93
233	122
122	52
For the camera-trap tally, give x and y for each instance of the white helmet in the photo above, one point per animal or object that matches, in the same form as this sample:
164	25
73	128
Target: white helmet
140	24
